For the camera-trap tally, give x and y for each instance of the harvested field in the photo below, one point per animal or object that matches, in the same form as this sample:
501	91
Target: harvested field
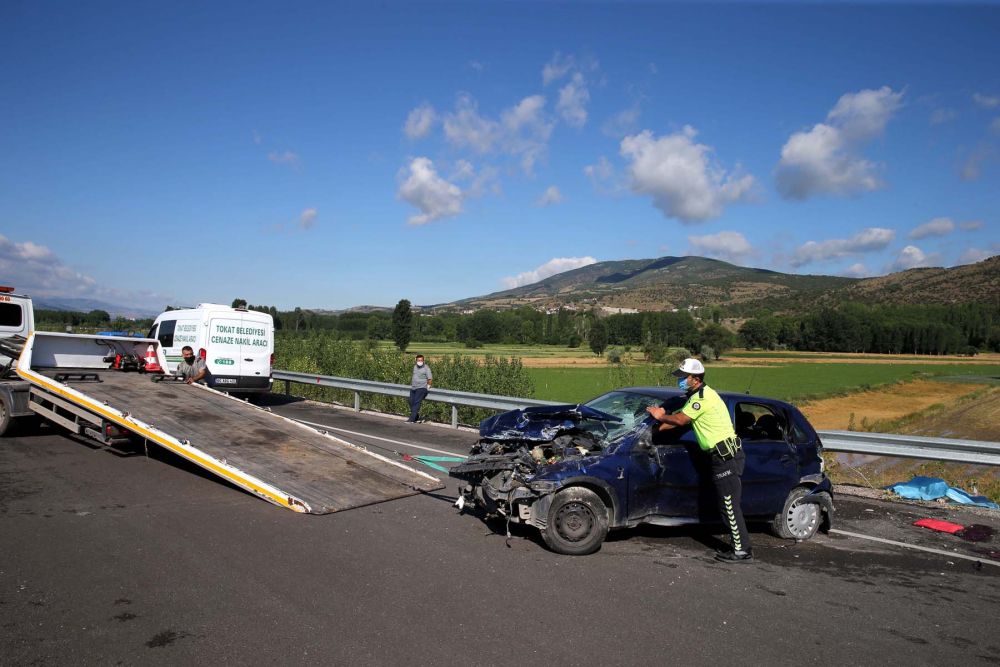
889	403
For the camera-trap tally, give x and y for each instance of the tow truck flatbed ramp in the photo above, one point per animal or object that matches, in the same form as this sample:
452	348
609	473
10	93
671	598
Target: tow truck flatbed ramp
283	461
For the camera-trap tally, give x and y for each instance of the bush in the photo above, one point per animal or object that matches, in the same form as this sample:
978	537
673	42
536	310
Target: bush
614	355
680	354
574	341
971	351
707	354
472	343
321	354
655	353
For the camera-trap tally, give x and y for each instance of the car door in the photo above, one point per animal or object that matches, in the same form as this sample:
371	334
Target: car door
771	461
224	348
682	479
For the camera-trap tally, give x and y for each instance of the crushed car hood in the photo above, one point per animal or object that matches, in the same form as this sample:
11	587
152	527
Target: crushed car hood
539	424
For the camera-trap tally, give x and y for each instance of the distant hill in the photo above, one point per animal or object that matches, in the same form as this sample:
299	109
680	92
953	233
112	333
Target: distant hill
676	282
87	305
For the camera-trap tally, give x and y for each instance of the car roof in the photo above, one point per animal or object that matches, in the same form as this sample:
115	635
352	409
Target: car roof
666	393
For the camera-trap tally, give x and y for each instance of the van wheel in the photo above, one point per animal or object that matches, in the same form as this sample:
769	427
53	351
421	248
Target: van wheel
798	520
577	522
6	421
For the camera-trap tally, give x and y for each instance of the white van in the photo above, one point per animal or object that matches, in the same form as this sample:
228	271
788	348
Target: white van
236	344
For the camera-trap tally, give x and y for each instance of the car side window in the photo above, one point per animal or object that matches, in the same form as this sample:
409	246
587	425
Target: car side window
166	333
152	332
800	433
757	421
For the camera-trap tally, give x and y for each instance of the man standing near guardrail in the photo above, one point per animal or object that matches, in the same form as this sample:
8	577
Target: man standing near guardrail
420	382
708	415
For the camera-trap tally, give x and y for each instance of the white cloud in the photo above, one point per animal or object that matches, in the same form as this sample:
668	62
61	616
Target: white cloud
972	168
826	159
943	116
308	218
476	65
973	255
487	180
551	197
867	240
549	268
463	171
420	122
732	247
37	271
680	176
971	225
573	99
623	123
557	68
435	197
936	227
986	101
523	129
465	128
526	131
293	160
653	69
912	257
856	271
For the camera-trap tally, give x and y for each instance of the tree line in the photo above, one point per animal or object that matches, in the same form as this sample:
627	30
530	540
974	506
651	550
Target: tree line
854	327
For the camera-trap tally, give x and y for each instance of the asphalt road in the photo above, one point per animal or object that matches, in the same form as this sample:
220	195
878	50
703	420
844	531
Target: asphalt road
128	560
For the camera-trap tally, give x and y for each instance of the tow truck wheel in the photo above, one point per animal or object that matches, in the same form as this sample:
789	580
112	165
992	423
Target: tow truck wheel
577	522
5	419
798	520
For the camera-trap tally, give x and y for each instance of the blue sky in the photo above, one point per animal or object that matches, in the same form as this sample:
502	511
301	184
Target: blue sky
329	155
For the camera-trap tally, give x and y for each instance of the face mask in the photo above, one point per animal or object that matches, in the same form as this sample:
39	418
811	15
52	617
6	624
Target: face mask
189	360
682	383
420	363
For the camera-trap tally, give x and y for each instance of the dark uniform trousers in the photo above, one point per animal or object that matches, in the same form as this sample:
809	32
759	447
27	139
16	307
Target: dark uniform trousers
729	490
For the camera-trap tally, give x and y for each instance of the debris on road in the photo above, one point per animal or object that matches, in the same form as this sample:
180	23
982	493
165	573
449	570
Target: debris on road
942	526
932	488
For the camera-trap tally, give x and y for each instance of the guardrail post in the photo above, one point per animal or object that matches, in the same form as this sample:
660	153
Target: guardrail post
357	401
288	388
454	416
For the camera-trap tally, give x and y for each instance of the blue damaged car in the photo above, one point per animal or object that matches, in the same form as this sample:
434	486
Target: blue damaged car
577	471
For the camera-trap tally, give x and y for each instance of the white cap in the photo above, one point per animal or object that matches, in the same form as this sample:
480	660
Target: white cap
689	367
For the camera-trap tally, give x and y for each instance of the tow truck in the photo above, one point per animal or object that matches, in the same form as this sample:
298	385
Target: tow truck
78	382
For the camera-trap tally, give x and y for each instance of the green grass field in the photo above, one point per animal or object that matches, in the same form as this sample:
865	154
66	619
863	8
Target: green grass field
789	382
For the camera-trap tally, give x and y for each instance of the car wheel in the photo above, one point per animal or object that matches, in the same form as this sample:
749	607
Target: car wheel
577	522
798	520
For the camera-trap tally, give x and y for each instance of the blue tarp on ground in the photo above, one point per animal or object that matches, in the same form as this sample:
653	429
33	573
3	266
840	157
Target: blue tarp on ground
932	488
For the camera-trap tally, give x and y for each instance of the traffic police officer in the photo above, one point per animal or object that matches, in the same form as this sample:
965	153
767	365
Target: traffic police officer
707	413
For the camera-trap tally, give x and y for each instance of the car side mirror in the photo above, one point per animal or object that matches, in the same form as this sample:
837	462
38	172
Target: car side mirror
644	443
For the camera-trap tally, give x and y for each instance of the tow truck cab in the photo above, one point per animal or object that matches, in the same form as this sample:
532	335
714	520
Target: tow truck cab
17	321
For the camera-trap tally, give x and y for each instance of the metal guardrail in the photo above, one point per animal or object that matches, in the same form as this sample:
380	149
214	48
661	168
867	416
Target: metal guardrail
912	447
851	442
449	396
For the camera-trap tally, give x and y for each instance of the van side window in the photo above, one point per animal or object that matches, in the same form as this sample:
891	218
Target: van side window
166	333
756	421
11	315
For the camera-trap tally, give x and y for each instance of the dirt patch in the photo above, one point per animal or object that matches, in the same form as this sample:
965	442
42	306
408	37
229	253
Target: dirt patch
883	404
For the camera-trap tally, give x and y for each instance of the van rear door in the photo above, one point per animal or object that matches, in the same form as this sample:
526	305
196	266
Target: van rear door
224	350
256	346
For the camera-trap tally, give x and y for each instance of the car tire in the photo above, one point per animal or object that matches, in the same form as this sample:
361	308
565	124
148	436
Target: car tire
798	520
577	522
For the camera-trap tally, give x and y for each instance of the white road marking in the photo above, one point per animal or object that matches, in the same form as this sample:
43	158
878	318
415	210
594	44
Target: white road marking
985	561
375	437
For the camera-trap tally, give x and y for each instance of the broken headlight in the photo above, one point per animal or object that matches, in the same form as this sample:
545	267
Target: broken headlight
543	486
